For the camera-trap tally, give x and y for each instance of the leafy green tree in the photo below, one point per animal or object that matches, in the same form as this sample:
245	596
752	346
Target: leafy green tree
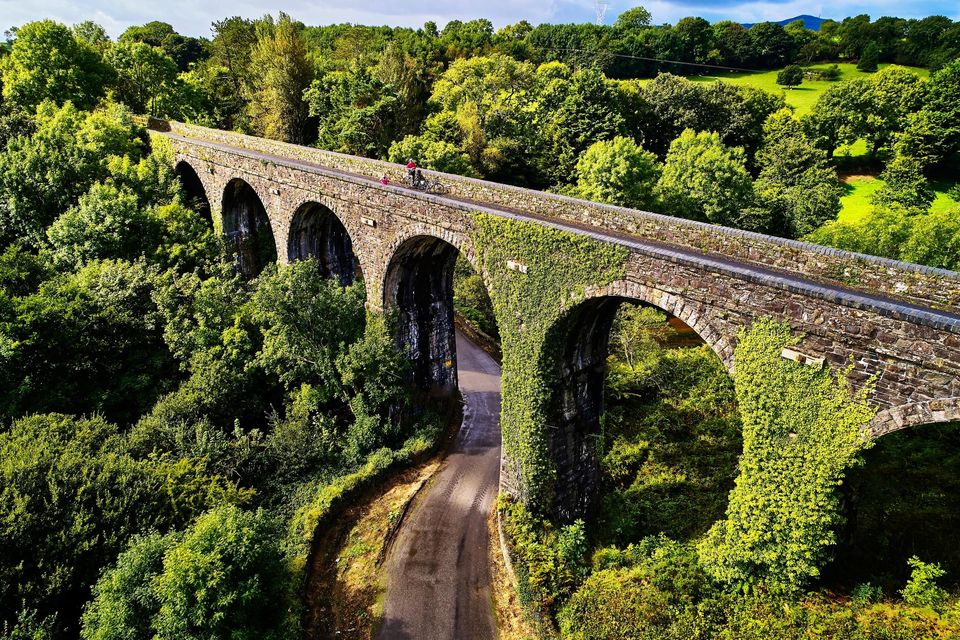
47	62
934	240
933	133
84	342
71	497
106	223
704	180
357	113
282	72
183	50
635	18
93	34
44	174
307	322
869	58
736	113
145	76
573	112
124	599
802	428
618	172
895	94
840	115
481	102
904	184
922	589
790	76
227	578
796	186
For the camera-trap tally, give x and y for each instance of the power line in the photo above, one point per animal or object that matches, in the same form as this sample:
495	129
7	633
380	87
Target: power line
689	64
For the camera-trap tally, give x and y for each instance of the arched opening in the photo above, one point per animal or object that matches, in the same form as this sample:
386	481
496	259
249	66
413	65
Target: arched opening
903	501
195	195
419	289
316	232
246	225
642	426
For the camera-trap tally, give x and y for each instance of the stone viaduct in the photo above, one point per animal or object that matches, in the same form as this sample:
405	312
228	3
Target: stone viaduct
898	323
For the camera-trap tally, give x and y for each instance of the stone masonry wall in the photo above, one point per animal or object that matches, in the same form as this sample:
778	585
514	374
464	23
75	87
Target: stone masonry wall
913	364
914	283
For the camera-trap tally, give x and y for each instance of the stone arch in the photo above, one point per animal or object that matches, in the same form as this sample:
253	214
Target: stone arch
916	414
246	224
574	356
194	190
317	232
418	288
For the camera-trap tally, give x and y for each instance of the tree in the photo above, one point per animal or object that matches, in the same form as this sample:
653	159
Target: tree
282	71
635	18
573	113
107	223
93	34
71	497
704	180
124	599
904	184
358	114
840	115
183	50
870	58
617	172
287	300
43	174
48	63
796	185
145	76
933	133
227	578
790	76
895	94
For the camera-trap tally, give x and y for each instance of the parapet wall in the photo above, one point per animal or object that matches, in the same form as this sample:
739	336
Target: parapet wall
907	282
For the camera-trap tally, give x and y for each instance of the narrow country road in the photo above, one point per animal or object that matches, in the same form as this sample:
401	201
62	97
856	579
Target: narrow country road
438	579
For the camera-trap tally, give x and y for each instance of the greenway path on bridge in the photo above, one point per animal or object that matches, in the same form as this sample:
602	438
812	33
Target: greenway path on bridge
438	581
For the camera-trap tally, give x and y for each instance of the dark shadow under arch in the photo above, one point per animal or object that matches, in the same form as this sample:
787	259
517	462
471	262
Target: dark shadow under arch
418	288
316	232
575	360
904	500
194	192
246	224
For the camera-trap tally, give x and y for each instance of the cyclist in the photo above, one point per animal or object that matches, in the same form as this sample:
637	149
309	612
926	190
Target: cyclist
411	170
418	180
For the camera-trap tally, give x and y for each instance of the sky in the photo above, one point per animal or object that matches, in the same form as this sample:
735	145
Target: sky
193	17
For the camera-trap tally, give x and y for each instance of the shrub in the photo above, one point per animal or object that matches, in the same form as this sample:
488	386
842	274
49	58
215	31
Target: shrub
922	589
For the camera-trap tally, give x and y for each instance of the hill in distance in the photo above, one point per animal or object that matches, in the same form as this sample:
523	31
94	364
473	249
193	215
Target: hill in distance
810	22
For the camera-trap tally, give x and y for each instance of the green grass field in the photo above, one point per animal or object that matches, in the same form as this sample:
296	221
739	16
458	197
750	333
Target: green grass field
856	200
801	98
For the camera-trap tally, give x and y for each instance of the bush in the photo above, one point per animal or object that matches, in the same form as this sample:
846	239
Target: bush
70	499
226	579
922	589
790	76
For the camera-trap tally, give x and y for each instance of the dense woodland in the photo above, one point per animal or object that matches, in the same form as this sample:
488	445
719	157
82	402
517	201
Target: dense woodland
168	426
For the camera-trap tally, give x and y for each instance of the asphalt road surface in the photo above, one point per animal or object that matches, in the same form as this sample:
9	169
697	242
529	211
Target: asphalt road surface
438	577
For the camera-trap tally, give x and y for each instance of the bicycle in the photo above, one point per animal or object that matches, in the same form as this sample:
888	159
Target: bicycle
427	185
